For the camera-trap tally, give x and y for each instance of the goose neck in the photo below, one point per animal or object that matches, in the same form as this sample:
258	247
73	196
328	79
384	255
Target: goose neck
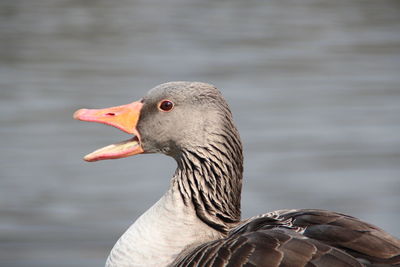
210	179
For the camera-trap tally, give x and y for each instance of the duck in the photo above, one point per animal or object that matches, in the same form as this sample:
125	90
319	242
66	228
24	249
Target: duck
197	222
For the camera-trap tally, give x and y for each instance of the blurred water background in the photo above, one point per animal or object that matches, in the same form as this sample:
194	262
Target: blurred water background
314	86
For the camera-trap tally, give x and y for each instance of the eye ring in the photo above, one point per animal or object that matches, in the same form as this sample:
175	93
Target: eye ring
165	105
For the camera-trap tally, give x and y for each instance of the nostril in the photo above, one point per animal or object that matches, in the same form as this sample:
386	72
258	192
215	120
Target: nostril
110	114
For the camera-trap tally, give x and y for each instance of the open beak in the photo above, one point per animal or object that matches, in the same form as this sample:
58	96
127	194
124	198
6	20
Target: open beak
123	117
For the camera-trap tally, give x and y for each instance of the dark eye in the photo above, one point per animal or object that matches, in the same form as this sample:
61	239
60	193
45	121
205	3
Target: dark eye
166	105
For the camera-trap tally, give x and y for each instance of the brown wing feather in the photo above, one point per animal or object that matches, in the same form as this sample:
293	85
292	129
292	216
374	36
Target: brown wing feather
267	248
309	238
358	238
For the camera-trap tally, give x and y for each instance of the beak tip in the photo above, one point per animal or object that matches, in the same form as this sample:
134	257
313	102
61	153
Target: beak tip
88	159
79	113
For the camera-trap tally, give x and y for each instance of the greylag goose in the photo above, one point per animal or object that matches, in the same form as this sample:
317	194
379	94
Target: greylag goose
197	221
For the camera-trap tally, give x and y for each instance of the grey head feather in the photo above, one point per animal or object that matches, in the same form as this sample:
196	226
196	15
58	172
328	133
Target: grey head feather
199	110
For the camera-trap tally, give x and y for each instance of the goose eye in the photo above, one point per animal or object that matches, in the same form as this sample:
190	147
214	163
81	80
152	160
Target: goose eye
166	105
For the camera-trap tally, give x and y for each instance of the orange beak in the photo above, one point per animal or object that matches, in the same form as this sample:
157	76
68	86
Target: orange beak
123	117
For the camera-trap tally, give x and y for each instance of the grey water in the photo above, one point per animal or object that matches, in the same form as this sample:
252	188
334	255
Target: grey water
314	86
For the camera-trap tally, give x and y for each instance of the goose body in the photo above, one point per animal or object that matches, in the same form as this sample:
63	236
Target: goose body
197	221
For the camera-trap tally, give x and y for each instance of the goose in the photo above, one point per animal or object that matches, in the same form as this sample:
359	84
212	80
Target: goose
197	221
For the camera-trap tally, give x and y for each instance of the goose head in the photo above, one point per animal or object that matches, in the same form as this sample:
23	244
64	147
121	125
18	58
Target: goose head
172	118
191	122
